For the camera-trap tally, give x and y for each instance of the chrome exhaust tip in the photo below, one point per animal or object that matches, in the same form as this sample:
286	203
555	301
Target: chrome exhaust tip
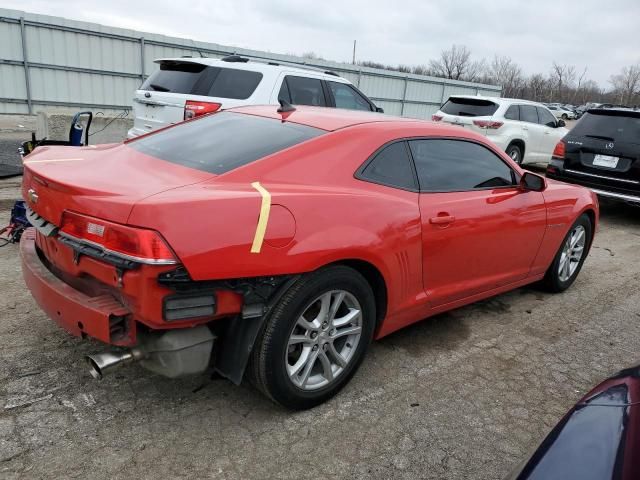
102	363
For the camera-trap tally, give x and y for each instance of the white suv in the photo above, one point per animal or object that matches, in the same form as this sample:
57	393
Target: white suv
527	131
187	87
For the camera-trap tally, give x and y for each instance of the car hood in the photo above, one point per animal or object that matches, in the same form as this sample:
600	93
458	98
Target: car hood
104	181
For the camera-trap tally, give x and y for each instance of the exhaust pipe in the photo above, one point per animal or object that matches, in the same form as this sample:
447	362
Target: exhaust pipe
173	354
101	363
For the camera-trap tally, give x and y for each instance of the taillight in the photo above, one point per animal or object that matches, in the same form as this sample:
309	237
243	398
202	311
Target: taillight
194	108
489	124
436	118
137	244
559	151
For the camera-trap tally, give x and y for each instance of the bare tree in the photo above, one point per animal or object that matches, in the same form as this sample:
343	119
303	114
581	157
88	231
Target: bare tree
562	77
536	88
626	84
590	91
505	72
456	64
576	91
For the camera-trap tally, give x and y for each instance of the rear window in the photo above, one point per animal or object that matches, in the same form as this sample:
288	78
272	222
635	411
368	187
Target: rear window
224	141
197	79
617	126
469	107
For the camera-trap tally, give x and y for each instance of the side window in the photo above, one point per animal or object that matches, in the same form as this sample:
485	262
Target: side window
236	84
546	118
512	113
456	165
305	91
528	114
391	167
346	97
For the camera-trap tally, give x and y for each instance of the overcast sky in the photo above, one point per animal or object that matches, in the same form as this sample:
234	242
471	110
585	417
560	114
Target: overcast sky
600	35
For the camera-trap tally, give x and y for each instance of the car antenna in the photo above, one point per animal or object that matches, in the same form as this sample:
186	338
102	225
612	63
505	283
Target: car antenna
285	106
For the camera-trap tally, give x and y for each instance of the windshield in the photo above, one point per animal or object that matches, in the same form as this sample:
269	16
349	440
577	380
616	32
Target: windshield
618	125
469	107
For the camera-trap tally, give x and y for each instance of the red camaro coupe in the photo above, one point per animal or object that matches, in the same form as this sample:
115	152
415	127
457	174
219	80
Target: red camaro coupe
277	244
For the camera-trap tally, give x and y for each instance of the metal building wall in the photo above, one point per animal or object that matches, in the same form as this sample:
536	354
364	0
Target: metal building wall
52	63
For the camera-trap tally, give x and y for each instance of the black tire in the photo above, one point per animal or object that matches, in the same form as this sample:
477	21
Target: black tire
515	152
565	116
267	369
552	281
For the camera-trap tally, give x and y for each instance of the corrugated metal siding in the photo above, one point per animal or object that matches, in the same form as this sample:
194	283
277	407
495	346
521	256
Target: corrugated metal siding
112	62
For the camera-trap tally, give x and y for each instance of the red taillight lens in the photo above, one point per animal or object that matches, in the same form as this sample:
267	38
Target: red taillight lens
490	124
139	244
194	109
559	151
436	118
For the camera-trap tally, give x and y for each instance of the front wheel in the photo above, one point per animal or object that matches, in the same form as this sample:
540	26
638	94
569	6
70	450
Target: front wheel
565	116
515	152
315	338
572	253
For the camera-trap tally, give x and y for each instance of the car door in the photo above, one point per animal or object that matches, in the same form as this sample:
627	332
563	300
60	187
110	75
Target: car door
551	133
480	231
534	133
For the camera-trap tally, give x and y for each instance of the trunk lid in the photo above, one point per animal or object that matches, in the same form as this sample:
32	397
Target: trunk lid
103	181
153	110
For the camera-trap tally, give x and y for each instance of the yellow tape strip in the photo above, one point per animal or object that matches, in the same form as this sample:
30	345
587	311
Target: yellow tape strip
265	207
54	160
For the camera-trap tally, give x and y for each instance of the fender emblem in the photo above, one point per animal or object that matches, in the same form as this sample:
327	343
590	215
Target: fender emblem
33	196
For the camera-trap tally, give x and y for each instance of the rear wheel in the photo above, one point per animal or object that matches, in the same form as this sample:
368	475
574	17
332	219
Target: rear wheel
515	152
572	253
315	338
565	116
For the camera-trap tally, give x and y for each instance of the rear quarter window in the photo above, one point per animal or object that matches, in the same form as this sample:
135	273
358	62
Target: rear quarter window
610	125
469	107
224	141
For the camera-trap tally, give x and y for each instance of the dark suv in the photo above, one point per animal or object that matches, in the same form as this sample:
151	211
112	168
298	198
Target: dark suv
602	152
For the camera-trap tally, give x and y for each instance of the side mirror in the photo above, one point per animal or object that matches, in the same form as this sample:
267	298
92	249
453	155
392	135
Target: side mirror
531	182
561	123
379	109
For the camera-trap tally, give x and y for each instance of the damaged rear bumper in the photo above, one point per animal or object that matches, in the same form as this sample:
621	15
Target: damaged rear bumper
100	317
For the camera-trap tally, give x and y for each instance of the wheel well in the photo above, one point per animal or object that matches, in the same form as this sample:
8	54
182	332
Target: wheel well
519	143
376	281
592	218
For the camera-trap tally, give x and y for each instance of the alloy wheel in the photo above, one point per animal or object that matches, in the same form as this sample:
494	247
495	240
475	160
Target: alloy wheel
572	253
324	340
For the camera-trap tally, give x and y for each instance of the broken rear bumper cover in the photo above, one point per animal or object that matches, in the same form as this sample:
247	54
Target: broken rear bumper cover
76	312
166	347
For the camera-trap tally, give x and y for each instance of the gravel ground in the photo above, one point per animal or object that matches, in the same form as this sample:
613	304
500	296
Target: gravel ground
465	395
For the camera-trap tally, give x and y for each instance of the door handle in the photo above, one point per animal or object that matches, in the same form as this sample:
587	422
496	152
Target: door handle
525	128
442	219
